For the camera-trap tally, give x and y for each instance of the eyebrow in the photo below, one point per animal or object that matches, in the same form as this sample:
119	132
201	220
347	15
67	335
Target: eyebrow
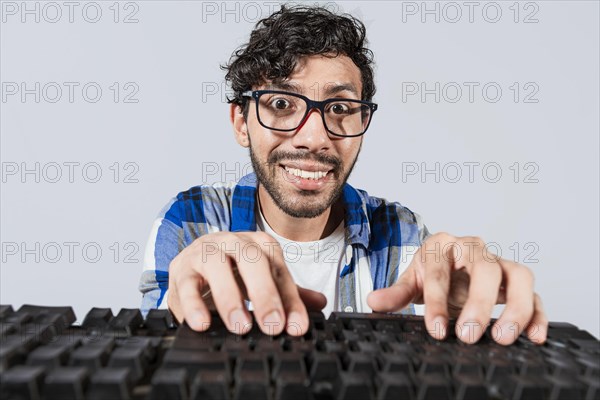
340	87
330	88
289	86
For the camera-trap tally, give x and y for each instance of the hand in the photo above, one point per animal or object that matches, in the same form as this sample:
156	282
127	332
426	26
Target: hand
221	269
458	277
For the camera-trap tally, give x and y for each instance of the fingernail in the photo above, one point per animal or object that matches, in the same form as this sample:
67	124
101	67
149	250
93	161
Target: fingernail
294	324
507	333
469	331
272	322
238	321
439	327
198	321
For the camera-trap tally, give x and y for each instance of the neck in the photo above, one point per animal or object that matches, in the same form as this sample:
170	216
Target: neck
299	229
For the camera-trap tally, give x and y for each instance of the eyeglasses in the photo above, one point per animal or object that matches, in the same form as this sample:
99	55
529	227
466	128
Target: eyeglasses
285	111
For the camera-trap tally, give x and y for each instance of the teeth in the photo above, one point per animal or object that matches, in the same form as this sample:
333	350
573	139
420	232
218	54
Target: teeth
306	174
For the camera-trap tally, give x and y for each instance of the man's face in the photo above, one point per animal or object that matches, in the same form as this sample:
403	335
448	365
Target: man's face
287	163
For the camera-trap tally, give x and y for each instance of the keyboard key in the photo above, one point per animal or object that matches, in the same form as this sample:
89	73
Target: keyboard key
353	386
93	355
66	383
5	310
110	383
97	318
525	388
466	365
324	366
169	384
564	388
360	362
49	356
211	385
234	346
251	385
562	367
196	361
290	363
394	385
433	386
591	388
470	386
10	353
292	386
393	362
23	382
591	366
367	347
359	325
159	321
432	364
330	346
7	328
388	327
127	321
268	346
129	357
252	362
499	369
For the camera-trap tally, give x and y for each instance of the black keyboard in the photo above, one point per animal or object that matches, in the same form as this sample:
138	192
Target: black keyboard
43	355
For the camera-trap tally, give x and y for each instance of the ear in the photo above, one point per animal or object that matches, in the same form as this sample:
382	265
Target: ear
240	128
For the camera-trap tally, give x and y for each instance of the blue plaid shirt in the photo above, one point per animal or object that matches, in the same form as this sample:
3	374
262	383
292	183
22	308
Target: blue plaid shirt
380	238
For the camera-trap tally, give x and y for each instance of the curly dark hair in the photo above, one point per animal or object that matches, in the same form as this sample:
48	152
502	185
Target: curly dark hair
280	40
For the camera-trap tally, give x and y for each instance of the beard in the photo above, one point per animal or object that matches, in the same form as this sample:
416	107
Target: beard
300	203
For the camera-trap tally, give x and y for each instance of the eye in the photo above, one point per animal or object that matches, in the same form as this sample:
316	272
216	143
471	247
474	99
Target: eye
339	108
280	104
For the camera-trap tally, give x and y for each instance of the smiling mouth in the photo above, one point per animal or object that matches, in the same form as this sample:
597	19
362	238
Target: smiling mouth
315	174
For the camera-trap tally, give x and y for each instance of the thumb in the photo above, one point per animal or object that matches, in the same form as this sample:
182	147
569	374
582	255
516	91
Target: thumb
397	296
313	300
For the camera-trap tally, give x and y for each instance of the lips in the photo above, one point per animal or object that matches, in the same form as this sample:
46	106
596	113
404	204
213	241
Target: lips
305	179
305	174
308	167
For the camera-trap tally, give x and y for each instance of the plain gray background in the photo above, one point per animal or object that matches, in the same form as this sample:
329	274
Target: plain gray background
169	130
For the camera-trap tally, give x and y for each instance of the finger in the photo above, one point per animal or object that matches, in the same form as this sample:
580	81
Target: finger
537	330
519	303
486	277
226	293
436	286
262	291
296	316
397	296
313	300
187	299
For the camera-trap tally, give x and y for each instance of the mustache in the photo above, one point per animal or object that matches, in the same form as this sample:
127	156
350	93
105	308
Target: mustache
328	160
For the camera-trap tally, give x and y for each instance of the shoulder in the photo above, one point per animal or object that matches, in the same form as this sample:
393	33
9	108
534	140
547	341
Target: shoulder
197	203
392	217
379	207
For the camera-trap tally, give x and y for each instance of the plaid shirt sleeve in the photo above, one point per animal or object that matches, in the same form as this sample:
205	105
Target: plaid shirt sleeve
164	243
198	211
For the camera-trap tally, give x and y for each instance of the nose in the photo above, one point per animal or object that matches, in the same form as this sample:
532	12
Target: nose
311	134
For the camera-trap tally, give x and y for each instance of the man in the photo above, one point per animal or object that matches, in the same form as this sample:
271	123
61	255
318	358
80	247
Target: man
303	88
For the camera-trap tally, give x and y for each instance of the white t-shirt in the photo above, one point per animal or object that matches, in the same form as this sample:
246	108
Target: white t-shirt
313	265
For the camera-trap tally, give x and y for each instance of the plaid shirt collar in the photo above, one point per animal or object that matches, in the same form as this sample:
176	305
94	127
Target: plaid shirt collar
355	216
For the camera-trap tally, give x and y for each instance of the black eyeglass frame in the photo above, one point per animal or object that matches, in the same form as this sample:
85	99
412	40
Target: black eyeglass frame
310	104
